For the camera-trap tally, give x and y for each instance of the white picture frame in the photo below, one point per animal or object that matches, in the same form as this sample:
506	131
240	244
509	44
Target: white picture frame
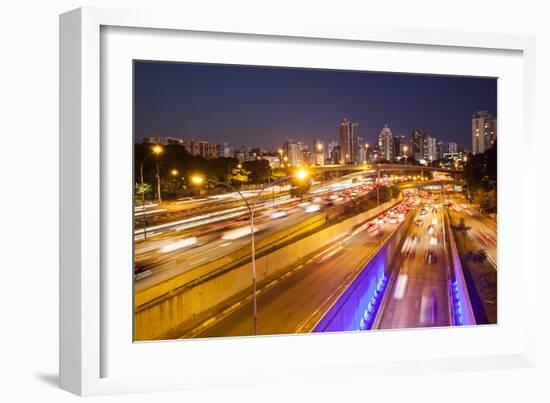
84	304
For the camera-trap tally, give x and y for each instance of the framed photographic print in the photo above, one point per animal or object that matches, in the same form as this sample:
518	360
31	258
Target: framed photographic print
318	195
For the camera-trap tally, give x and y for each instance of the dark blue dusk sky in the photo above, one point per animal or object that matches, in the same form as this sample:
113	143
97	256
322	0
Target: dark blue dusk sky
264	106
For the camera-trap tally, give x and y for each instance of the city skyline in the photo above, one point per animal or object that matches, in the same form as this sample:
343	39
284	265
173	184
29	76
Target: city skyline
208	102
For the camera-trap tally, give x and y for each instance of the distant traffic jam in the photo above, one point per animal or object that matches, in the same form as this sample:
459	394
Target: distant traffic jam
225	229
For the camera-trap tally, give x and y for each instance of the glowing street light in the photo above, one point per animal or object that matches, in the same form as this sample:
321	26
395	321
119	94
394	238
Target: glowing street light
197	180
302	174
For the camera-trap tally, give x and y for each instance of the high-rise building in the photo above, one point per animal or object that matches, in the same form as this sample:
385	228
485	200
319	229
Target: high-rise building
274	161
245	153
452	148
418	145
318	153
440	149
223	149
385	144
336	154
348	142
400	146
163	140
292	153
361	151
330	151
431	148
192	147
484	131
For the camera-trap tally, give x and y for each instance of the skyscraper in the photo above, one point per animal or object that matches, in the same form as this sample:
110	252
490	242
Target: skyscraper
385	144
223	149
399	144
292	153
431	148
318	152
440	150
348	142
418	145
484	131
361	152
330	154
452	148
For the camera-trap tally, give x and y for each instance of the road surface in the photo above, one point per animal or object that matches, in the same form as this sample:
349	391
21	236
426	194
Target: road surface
419	295
289	305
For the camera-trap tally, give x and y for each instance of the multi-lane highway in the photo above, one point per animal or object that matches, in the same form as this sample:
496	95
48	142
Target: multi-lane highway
477	243
198	231
481	229
294	303
419	295
207	231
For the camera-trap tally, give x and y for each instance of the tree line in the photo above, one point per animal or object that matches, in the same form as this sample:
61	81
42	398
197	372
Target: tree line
176	167
480	174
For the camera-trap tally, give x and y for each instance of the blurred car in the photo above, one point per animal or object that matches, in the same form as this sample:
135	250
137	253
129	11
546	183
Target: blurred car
312	208
278	214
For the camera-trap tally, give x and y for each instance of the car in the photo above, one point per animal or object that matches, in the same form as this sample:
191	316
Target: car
141	268
312	208
278	214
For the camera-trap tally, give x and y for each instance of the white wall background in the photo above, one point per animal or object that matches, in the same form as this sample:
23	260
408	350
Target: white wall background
29	202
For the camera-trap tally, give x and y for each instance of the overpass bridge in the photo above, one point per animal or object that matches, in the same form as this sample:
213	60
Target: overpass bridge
382	168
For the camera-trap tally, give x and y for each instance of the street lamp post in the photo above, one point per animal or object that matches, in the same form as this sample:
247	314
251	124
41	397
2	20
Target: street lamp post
174	172
158	179
156	150
378	202
302	175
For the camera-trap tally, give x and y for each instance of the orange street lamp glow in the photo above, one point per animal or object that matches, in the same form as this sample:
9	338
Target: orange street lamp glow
174	172
302	174
197	180
157	149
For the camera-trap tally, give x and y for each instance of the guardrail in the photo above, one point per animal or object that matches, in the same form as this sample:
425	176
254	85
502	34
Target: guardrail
463	313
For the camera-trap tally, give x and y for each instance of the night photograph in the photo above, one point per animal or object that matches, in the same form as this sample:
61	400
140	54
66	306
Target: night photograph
278	200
